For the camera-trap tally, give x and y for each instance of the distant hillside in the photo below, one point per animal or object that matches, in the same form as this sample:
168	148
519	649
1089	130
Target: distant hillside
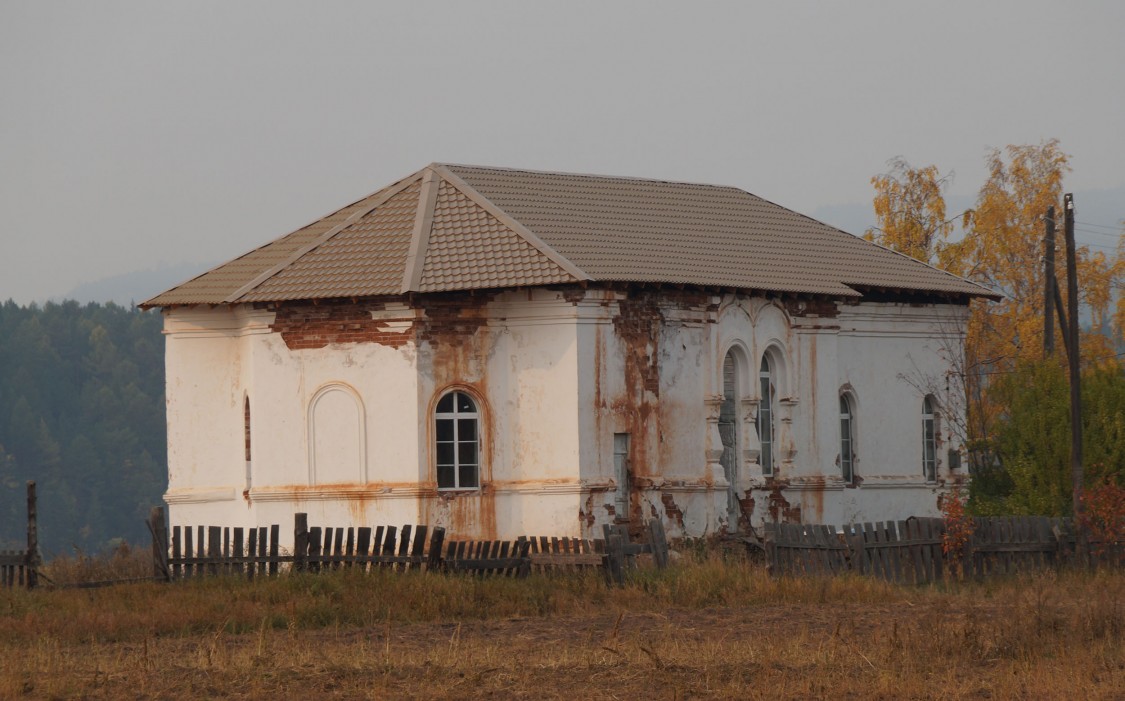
82	413
132	288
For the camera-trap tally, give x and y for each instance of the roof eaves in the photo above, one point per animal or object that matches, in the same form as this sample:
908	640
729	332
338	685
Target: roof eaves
326	236
487	204
984	291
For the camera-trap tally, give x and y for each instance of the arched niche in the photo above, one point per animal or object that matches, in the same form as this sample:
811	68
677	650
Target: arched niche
337	436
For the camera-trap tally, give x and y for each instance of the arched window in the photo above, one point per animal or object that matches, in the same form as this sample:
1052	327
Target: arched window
767	412
929	440
246	431
457	441
246	425
847	437
728	432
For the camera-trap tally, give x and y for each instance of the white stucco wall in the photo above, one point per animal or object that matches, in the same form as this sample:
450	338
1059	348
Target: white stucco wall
344	431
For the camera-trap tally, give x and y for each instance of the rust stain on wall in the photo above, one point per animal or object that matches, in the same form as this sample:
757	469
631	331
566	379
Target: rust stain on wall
814	506
637	327
457	342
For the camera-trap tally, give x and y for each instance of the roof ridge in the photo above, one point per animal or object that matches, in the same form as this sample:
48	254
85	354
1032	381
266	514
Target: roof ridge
380	197
423	225
598	176
519	229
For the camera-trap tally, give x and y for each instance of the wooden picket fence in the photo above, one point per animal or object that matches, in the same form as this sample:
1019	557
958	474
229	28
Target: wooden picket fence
912	551
217	550
20	568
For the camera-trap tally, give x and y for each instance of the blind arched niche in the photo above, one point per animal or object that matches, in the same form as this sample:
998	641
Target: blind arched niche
337	440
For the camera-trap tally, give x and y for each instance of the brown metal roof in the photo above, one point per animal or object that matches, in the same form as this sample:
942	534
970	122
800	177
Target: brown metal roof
454	227
469	248
634	230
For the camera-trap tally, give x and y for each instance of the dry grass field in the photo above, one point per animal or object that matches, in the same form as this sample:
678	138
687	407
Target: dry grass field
708	628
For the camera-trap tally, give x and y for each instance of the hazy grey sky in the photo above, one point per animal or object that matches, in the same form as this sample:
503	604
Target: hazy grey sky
147	133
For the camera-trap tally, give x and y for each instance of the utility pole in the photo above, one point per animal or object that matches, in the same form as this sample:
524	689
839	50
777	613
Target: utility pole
1049	285
1073	355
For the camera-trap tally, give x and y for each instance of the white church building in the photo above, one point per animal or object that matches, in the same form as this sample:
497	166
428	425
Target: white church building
507	352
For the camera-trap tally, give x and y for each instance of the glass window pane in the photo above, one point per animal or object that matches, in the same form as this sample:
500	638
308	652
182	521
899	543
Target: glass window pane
467	453
445	404
468	475
445	453
445	429
466	429
465	403
445	477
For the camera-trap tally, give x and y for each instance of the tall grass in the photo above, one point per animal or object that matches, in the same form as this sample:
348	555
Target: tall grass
707	628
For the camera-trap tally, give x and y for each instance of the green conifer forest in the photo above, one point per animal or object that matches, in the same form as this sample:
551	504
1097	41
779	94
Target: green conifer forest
81	413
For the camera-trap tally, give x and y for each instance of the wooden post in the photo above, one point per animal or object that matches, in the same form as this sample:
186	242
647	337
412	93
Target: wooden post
274	552
159	531
523	548
214	549
437	538
1049	284
659	542
300	541
32	537
1073	358
615	559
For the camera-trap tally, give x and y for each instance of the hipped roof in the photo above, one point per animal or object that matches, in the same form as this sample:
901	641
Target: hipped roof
456	227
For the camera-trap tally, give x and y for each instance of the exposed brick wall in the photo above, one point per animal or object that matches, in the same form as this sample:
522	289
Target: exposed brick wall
453	317
449	317
315	326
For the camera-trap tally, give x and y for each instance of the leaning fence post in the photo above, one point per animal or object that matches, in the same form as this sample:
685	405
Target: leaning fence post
614	559
437	539
32	537
659	542
769	539
159	531
300	541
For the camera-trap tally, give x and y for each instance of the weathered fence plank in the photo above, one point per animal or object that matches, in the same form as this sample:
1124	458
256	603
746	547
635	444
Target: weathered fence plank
912	550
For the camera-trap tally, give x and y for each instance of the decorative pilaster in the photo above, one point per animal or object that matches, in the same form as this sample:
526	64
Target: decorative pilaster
714	451
785	416
752	446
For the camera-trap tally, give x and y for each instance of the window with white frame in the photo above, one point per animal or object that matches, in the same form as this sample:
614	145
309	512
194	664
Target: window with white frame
767	412
457	441
929	440
847	437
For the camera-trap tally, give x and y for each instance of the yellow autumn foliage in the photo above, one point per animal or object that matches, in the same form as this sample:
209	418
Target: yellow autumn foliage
1002	248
